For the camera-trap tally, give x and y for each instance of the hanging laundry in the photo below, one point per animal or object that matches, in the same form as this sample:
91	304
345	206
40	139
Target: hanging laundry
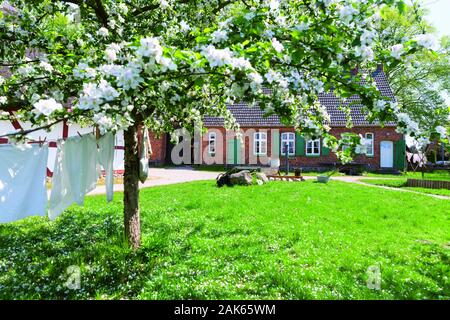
75	173
106	160
23	169
145	151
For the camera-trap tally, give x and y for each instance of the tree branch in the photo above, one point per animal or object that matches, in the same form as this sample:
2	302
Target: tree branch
10	64
25	132
101	12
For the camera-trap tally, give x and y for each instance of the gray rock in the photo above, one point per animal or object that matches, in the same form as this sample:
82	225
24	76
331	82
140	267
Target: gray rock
262	177
243	178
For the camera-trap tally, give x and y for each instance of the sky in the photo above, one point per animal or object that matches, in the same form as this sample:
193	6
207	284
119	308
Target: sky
439	15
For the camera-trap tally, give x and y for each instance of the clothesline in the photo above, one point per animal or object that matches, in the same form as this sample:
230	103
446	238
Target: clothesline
76	171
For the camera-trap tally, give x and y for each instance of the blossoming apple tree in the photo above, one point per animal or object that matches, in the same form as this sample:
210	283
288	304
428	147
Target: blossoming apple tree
165	64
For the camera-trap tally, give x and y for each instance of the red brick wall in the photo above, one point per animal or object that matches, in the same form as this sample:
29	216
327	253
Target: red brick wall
158	148
380	134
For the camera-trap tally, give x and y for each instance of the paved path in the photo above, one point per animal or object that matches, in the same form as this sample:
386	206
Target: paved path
162	176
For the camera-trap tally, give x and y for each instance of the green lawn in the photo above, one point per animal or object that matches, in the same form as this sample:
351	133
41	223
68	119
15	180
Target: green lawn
401	183
284	240
436	175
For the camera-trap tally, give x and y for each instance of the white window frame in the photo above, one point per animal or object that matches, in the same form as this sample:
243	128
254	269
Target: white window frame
372	144
212	141
287	138
260	139
313	142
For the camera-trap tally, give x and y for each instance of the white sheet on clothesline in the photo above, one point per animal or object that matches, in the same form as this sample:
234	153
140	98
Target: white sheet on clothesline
23	169
106	160
75	173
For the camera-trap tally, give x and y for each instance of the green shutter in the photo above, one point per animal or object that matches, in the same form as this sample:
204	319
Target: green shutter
400	155
238	151
325	150
299	145
230	151
275	152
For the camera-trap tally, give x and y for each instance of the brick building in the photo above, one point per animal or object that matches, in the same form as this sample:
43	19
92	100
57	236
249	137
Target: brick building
265	136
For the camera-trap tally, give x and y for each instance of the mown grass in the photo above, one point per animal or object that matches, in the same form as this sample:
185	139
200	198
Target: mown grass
436	175
283	240
401	183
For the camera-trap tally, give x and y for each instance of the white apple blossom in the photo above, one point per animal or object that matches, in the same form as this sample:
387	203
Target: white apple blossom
25	70
396	51
167	64
256	80
184	27
46	66
272	76
217	57
107	92
114	46
240	63
47	106
442	131
110	55
361	148
150	47
379	105
163	3
84	71
268	34
368	36
219	36
123	7
274	5
129	78
303	26
410	126
394	106
277	45
347	12
365	52
104	122
80	42
3	100
103	32
428	41
2	80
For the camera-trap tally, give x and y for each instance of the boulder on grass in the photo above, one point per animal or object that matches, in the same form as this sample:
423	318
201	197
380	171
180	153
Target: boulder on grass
260	176
243	178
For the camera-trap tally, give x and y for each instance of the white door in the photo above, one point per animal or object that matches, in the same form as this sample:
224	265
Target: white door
386	154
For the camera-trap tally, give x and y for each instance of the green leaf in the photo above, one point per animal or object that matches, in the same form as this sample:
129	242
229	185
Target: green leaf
401	6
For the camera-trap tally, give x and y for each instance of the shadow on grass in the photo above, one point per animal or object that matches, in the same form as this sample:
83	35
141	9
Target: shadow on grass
36	253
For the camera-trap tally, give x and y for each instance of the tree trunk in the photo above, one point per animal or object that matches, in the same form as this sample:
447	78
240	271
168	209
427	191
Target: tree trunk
132	221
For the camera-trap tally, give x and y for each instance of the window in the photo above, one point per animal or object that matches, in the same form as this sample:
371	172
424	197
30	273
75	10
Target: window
369	141
212	143
260	143
313	147
288	139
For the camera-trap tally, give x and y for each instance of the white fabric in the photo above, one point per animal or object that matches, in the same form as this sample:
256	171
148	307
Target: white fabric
145	150
75	173
106	159
23	170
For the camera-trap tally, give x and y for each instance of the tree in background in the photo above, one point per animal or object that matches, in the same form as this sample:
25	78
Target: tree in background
165	64
422	84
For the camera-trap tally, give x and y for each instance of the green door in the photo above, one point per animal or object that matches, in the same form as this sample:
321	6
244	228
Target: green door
234	151
400	155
